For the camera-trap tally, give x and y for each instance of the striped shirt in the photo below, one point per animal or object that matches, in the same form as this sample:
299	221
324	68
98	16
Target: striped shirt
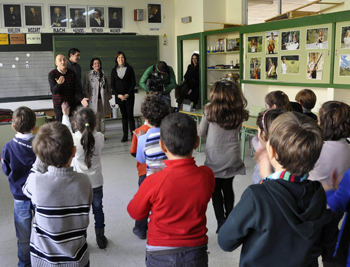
61	198
149	151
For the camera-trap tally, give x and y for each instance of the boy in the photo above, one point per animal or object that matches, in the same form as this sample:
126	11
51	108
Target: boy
307	99
178	197
62	199
278	220
153	110
17	159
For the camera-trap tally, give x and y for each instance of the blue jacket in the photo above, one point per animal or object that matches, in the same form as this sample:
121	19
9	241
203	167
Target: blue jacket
17	159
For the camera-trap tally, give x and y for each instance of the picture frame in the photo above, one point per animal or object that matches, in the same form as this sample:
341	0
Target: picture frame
317	38
315	62
58	16
254	44
154	12
344	65
96	16
33	15
271	42
12	15
345	37
255	68
290	64
77	16
271	68
115	17
290	40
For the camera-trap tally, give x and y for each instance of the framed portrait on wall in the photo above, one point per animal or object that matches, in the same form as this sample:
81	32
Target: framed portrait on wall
290	64
33	15
315	65
255	68
317	38
271	42
271	68
290	40
254	44
115	17
77	15
154	15
97	16
12	15
58	16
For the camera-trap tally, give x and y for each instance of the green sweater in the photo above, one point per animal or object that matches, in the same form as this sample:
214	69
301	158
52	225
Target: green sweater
169	78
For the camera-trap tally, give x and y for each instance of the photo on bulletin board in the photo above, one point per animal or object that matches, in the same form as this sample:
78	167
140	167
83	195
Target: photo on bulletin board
154	15
290	40
255	68
345	37
344	65
290	64
96	16
271	68
315	65
271	42
115	17
77	16
254	44
33	14
317	38
12	15
58	16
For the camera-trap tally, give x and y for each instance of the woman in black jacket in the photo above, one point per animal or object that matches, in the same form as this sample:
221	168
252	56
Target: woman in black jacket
192	78
123	83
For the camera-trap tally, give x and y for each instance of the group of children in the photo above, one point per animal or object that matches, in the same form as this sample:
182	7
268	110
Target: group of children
281	219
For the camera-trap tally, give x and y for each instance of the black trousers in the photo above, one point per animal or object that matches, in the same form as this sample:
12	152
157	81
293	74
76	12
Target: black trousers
127	111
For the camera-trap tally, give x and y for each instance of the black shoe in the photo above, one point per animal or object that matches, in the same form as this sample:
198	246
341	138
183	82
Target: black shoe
100	238
124	139
139	233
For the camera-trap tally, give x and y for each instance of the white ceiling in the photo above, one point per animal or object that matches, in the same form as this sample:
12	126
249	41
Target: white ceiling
260	10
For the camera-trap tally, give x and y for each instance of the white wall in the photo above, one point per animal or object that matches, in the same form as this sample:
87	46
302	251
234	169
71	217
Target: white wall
185	8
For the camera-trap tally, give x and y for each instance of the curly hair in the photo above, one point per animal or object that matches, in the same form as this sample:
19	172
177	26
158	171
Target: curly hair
154	110
334	119
280	99
227	105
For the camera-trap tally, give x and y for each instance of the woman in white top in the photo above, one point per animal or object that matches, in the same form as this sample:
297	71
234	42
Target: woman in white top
89	144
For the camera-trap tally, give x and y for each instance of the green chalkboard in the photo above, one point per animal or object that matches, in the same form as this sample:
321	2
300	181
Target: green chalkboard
141	51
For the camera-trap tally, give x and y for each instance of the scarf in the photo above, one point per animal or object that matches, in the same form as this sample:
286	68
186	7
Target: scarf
287	176
100	76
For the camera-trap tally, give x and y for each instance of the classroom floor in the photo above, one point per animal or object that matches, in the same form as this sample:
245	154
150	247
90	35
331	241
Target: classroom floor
120	177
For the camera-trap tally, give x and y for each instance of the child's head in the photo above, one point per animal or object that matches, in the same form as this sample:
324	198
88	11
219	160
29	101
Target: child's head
178	132
297	142
264	122
277	99
306	98
227	105
23	120
154	110
53	144
334	119
84	121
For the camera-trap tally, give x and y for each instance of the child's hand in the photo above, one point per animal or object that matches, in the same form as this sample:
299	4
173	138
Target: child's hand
65	108
335	179
141	132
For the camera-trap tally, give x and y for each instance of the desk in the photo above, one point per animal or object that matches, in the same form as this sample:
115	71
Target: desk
248	127
197	115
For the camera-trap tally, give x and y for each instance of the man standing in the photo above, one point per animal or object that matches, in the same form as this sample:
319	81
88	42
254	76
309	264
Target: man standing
65	87
163	81
72	63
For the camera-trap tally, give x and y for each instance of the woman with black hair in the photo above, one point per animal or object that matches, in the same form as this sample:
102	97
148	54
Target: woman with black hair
192	78
123	83
97	89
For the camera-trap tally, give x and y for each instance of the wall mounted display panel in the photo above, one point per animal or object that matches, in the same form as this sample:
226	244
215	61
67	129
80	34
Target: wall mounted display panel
342	53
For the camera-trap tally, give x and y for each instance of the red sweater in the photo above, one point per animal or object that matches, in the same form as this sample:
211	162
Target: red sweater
141	168
178	197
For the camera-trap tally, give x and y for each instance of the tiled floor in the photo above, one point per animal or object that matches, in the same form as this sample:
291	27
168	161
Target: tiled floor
120	175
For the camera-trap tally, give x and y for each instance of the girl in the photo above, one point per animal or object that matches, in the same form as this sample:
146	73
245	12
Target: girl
277	99
221	122
334	119
89	144
263	121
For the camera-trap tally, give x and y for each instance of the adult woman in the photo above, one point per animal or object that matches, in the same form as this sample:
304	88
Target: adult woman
98	90
123	83
192	78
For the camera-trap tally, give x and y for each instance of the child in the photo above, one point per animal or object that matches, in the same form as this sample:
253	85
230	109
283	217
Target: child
89	144
222	122
263	121
17	159
62	199
142	171
178	197
307	99
277	99
338	201
334	119
154	110
277	221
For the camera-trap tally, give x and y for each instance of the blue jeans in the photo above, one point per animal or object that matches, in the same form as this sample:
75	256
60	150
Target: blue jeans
192	258
23	215
97	207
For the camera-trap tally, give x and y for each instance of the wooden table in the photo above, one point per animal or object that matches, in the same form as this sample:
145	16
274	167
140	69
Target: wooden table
197	116
248	127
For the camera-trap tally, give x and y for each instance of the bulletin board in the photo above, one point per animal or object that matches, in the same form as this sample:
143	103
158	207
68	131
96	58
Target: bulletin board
342	53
